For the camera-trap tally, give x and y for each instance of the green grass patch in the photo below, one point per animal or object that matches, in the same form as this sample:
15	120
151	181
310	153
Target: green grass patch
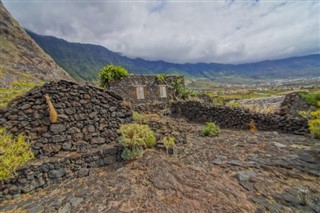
8	94
14	152
311	98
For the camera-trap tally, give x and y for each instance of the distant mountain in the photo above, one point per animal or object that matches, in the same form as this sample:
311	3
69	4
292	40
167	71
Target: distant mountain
83	61
21	59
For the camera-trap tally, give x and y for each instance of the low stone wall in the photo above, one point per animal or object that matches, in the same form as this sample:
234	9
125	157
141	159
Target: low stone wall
151	108
237	118
292	104
88	117
85	135
45	172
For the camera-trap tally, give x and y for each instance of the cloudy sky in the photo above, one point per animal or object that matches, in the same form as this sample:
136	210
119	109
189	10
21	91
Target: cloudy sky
180	31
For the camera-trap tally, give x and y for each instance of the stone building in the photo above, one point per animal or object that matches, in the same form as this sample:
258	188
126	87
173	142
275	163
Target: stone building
146	88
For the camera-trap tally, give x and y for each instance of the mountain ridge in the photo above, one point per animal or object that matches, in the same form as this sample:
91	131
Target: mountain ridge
83	61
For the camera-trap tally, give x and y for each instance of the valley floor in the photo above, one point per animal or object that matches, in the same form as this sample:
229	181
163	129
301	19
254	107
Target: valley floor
238	171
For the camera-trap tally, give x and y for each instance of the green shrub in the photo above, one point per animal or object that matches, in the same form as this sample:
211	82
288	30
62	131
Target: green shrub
314	124
132	154
135	137
211	129
111	72
168	143
14	152
161	78
314	127
136	116
311	98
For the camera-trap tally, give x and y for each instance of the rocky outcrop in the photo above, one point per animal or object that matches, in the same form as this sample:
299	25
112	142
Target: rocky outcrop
237	118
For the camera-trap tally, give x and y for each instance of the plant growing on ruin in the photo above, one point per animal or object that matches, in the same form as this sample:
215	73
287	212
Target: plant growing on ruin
252	126
168	143
14	152
135	137
180	91
211	129
111	72
161	78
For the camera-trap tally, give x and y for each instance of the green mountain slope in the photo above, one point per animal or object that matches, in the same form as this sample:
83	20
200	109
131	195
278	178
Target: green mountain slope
83	61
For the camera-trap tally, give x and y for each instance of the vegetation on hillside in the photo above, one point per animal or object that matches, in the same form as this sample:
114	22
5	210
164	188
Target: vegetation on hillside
17	89
14	152
20	55
314	122
85	60
311	98
110	73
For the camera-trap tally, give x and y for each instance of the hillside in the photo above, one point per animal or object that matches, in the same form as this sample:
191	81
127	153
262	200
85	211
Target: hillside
85	60
21	59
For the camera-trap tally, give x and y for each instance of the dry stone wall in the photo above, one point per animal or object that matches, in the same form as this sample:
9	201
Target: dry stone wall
237	118
292	104
88	117
85	135
66	165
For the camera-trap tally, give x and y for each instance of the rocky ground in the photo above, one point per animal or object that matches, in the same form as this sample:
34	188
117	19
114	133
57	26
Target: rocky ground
238	171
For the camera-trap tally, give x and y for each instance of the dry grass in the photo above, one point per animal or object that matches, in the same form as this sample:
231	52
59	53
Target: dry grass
252	126
259	109
52	111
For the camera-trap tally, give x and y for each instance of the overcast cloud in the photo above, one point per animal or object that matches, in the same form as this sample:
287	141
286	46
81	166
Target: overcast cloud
180	31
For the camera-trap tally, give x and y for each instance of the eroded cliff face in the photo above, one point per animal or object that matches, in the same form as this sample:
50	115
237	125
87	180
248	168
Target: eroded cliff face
21	59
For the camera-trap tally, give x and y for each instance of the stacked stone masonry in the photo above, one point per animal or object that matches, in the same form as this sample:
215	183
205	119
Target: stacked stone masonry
127	88
41	173
292	104
237	118
88	117
85	135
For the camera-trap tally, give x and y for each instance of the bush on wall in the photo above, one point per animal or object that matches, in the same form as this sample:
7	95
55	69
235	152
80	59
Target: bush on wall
111	72
14	152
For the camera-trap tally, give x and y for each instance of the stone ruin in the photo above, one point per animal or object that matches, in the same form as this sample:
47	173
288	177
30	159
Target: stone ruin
85	135
146	89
